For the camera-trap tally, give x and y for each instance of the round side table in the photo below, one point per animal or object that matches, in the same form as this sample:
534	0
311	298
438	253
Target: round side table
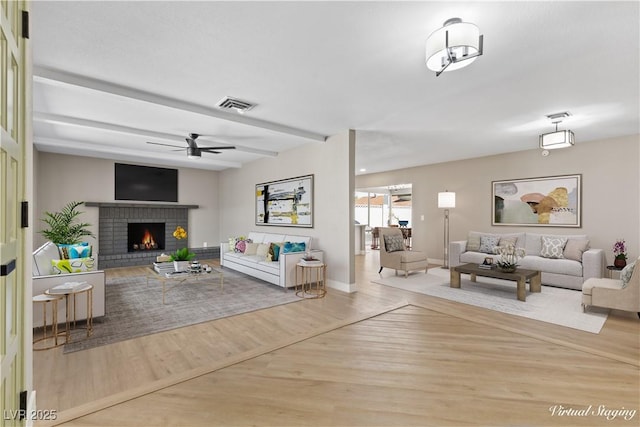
48	341
611	268
311	280
67	290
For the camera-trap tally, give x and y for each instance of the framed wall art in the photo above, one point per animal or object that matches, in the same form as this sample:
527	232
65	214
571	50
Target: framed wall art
553	201
288	202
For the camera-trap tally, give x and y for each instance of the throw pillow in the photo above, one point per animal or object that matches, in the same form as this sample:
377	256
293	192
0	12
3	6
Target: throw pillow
473	242
64	266
487	243
575	248
293	247
274	252
394	243
251	248
241	244
79	250
263	250
553	247
626	273
506	241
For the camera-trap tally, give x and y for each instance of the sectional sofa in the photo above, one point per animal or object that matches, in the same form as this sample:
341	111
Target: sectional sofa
253	257
45	276
566	265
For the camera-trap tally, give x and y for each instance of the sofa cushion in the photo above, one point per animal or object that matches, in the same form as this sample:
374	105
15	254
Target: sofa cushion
487	243
473	257
263	250
412	256
393	243
553	247
42	259
269	238
589	284
274	251
533	244
473	241
626	273
65	266
575	248
79	250
251	248
293	247
547	265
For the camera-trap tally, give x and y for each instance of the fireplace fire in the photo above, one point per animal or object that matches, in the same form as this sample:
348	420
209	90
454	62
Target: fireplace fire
145	236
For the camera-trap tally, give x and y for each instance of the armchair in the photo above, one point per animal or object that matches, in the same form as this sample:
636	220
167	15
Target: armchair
394	253
611	293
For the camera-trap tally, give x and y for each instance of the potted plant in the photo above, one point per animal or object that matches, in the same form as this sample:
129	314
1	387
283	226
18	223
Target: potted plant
63	228
182	256
509	257
620	254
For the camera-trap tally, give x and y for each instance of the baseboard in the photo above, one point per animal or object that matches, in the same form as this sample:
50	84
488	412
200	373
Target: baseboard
341	286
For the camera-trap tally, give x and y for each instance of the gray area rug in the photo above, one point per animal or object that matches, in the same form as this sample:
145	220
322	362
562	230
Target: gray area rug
553	305
134	309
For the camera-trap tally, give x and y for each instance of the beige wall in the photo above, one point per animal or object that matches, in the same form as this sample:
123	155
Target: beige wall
61	178
332	164
610	192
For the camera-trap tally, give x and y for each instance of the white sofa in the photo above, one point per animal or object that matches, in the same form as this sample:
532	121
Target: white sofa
43	279
568	272
281	272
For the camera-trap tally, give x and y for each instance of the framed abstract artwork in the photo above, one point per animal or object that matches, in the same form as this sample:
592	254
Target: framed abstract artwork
553	201
288	202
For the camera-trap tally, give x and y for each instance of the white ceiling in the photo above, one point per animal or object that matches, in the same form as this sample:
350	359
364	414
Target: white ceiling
110	76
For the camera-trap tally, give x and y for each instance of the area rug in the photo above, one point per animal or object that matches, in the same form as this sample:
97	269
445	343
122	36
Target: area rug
552	305
135	309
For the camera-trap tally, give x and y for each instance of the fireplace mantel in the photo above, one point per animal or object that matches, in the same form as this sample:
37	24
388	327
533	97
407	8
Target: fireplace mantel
138	205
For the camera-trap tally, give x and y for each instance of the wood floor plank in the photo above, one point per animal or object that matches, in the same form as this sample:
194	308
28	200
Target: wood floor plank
433	362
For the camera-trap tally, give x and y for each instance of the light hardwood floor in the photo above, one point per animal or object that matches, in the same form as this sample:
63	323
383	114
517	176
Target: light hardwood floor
381	356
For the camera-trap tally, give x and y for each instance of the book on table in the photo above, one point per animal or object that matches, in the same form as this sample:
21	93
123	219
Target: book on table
163	267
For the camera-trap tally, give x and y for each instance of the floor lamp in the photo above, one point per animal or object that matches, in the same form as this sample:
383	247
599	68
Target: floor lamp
446	201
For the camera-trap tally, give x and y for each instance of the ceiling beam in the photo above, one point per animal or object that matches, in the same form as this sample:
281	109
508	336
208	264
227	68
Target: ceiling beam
53	77
81	148
109	127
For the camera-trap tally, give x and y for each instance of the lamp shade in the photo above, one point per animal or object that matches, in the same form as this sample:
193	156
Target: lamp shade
446	200
463	41
557	139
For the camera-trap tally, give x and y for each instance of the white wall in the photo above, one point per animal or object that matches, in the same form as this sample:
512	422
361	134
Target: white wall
610	192
332	164
61	178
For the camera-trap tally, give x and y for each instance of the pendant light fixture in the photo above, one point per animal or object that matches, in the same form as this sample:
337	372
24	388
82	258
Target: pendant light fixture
558	138
454	46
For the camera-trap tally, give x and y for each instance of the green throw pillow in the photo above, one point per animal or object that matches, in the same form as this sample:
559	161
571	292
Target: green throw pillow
77	265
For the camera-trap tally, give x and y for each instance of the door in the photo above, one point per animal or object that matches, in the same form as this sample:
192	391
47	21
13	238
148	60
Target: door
15	342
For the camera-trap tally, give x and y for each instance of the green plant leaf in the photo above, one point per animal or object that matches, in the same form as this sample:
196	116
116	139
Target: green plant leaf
62	226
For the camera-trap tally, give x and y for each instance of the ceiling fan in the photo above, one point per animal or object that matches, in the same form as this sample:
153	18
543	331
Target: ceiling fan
193	150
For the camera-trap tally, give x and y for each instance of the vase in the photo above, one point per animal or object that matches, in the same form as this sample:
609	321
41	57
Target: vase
181	265
619	262
508	269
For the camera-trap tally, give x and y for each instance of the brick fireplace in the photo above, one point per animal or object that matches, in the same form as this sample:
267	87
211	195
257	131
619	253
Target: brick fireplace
116	220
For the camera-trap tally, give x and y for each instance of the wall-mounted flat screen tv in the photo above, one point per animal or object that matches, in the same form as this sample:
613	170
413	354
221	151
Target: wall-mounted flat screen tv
146	183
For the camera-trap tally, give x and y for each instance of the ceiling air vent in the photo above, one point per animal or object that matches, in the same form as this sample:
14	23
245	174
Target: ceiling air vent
229	103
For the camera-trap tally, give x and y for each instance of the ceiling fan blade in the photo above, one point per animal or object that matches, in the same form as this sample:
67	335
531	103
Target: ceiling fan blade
166	145
228	147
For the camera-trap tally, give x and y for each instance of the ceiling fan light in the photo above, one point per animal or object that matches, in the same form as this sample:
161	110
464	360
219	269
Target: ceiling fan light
193	153
557	139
